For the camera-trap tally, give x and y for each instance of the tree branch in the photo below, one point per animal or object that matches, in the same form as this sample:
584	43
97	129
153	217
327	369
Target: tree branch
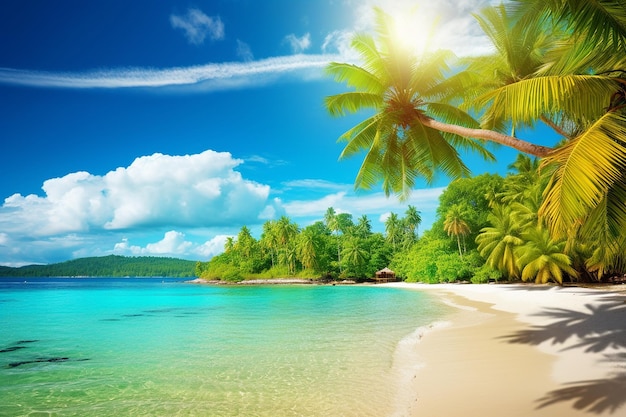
490	135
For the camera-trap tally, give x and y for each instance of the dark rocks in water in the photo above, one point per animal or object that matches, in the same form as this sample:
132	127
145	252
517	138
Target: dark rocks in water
12	349
17	346
39	360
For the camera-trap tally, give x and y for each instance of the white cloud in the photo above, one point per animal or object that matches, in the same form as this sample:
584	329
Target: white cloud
456	28
339	42
174	244
197	26
207	77
310	184
374	204
212	247
201	190
298	44
243	51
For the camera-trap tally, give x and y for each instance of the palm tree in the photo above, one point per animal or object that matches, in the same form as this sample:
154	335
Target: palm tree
393	229
412	219
354	255
364	226
542	259
332	222
269	239
455	225
307	248
229	246
519	53
497	243
581	91
286	231
412	134
402	140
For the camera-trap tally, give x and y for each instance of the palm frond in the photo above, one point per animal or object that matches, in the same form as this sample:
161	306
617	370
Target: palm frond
586	169
430	71
367	49
361	137
355	76
351	102
580	97
599	22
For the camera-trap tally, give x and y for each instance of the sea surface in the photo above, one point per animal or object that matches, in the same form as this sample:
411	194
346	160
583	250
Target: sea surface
162	347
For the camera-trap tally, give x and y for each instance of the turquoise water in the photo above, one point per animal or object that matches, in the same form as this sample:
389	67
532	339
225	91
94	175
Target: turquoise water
153	347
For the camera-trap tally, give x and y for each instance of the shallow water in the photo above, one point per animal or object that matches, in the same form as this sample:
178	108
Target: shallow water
153	347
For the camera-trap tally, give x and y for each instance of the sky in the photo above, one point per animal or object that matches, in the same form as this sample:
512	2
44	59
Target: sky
160	128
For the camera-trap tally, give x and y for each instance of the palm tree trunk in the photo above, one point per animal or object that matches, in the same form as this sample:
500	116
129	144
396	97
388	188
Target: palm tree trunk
458	242
490	135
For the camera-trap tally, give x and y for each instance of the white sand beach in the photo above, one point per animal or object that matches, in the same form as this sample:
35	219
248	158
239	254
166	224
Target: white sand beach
521	350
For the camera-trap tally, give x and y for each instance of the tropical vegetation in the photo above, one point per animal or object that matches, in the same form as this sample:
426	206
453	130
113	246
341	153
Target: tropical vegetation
108	266
561	63
335	248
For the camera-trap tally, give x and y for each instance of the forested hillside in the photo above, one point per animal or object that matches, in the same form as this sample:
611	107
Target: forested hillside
107	266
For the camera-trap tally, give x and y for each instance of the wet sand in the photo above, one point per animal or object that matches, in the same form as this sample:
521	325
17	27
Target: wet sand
522	350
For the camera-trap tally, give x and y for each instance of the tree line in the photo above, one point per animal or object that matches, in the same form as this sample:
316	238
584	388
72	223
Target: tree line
487	228
337	247
108	266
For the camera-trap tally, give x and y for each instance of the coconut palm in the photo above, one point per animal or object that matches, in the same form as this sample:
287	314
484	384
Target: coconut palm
402	140
542	259
332	223
497	243
363	227
306	248
354	255
581	87
269	239
456	225
393	229
412	220
519	50
286	232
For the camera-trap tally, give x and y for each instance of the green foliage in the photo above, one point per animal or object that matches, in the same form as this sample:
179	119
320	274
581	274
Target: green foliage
109	266
484	274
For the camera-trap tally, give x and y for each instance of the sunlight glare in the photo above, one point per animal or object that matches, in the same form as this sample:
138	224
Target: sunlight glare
413	31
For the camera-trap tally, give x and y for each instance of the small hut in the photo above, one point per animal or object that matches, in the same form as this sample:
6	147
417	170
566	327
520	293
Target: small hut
385	275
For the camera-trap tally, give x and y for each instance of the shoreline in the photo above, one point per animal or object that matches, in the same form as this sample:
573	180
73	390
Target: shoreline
519	350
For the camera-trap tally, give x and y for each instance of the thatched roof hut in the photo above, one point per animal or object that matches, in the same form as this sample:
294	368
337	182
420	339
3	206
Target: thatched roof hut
385	275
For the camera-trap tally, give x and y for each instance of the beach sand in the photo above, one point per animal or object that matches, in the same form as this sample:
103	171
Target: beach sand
522	350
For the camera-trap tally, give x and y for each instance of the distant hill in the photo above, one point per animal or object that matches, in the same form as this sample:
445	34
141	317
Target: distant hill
107	266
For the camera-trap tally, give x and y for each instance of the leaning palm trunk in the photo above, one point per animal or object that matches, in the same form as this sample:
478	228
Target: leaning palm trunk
489	135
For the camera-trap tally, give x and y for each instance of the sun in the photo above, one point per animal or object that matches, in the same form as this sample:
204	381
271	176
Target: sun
413	31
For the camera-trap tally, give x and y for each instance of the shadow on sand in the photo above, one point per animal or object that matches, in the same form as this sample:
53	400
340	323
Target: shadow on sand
599	330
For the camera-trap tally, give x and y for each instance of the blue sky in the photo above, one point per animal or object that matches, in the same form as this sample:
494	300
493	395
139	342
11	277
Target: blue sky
160	128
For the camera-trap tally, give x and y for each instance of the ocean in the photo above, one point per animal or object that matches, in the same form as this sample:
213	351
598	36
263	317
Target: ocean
162	347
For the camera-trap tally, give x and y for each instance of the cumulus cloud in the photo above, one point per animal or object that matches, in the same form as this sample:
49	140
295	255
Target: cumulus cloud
207	77
197	26
174	244
298	44
201	190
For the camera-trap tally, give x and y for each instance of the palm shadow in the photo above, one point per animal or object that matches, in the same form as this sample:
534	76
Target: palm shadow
598	330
